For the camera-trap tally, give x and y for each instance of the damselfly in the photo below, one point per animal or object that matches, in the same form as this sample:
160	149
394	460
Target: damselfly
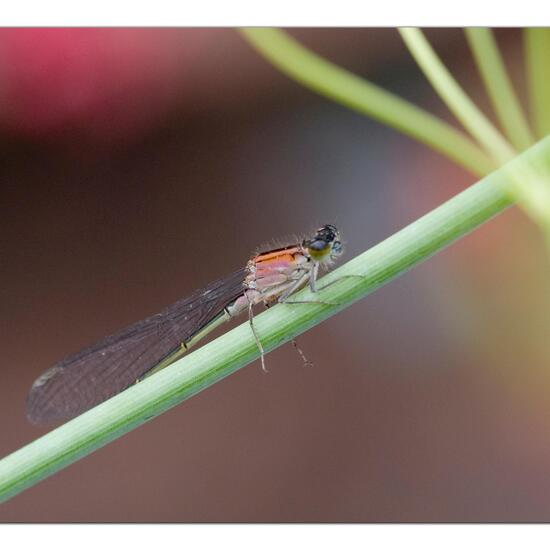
104	369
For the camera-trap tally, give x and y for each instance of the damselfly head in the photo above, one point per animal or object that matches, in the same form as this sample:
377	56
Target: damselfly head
325	246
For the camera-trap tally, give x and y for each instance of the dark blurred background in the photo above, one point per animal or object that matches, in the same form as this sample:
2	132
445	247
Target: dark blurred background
139	164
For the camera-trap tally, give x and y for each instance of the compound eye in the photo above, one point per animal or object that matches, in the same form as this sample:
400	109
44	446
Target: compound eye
317	245
337	248
318	249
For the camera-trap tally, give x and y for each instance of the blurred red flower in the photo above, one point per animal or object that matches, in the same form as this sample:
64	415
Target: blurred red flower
104	82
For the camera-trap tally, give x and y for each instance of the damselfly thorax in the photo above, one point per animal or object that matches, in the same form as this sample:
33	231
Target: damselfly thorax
274	275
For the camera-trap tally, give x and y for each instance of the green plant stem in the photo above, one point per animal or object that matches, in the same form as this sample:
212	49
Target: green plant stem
537	46
534	198
499	87
233	350
454	97
356	93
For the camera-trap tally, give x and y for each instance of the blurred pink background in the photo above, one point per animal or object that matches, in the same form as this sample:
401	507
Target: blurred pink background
128	153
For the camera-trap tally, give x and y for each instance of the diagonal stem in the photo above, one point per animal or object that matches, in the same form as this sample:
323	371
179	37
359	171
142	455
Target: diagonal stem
280	324
363	96
455	98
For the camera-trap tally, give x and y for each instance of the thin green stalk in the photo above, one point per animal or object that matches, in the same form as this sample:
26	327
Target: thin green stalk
233	350
454	97
537	46
357	93
533	198
499	86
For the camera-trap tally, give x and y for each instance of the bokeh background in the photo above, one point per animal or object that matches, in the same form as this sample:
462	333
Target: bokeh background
140	164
